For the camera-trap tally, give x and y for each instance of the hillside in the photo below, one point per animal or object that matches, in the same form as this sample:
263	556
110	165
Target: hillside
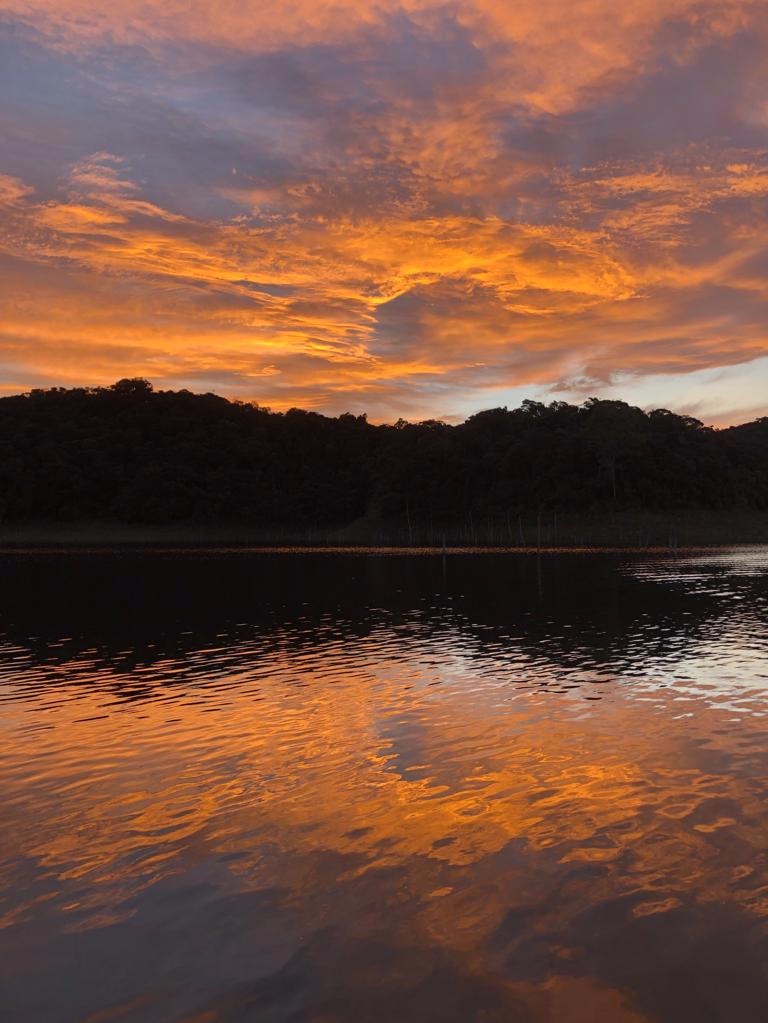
127	454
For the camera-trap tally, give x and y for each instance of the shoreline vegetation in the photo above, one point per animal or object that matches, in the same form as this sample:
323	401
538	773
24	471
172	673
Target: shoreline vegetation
128	465
650	532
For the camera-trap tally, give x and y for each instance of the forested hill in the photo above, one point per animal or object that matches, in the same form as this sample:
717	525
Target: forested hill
132	455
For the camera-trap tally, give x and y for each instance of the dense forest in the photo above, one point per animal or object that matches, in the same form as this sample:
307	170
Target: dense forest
130	454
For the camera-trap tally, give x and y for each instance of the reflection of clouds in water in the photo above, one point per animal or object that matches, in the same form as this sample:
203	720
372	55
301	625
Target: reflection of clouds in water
424	796
702	566
730	657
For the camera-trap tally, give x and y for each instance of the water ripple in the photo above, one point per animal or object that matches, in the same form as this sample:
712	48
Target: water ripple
519	781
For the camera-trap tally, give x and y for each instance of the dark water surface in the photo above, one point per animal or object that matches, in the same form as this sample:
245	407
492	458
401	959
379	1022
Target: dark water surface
350	788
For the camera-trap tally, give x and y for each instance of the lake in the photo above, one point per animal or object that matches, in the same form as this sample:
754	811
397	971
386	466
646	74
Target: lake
341	788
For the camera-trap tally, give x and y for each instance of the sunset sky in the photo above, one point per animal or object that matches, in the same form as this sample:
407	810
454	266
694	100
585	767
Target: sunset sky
409	207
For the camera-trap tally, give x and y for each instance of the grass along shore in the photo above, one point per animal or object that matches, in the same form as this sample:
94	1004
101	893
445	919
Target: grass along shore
550	530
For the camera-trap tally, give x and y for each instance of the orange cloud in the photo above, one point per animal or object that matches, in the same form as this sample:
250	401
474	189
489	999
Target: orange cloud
410	202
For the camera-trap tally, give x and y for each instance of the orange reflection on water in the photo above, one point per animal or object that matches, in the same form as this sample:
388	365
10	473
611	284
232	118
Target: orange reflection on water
367	760
396	791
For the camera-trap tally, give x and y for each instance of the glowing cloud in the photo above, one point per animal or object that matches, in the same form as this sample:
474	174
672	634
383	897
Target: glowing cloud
409	208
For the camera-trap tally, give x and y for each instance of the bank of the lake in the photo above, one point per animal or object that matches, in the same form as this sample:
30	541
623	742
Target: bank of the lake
673	529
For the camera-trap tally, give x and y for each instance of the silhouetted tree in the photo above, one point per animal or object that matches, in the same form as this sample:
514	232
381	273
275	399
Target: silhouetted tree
128	453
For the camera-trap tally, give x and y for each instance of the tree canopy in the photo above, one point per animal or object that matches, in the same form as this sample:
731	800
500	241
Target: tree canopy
128	453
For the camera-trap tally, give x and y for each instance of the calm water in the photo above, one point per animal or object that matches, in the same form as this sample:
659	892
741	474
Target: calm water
350	788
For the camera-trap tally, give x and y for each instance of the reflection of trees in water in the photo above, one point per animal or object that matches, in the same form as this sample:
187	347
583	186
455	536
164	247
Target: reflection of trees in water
123	611
586	613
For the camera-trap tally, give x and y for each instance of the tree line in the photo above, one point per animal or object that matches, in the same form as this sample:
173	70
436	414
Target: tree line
130	454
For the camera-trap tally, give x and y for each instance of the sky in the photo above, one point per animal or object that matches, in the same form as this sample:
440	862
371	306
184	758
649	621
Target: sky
415	208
